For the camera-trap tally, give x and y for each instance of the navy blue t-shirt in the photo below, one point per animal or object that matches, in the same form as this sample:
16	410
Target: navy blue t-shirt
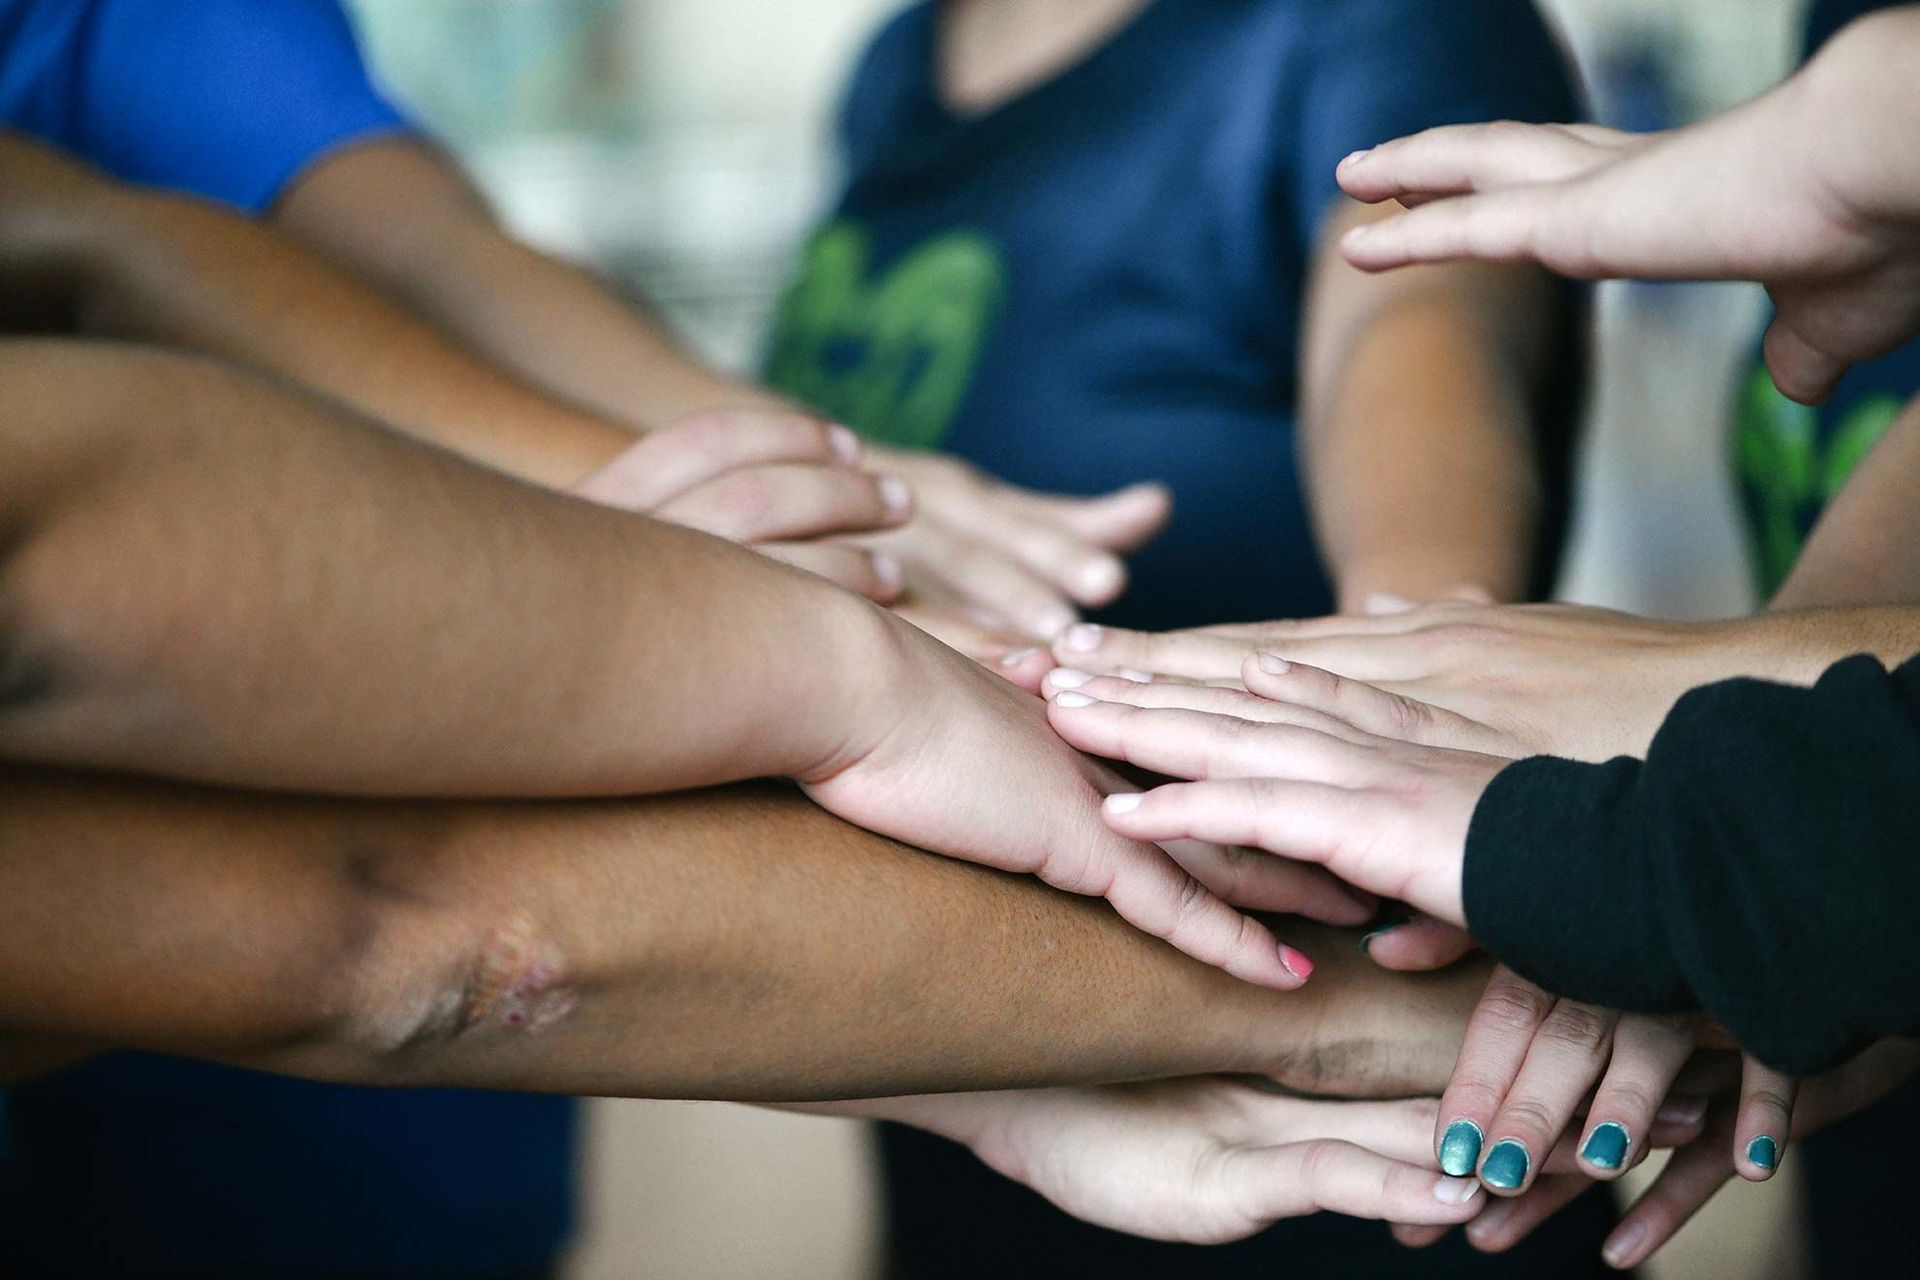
137	1164
1101	281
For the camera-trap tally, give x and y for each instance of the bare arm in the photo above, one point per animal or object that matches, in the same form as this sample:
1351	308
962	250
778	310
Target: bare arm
636	948
1866	547
122	262
1419	395
546	322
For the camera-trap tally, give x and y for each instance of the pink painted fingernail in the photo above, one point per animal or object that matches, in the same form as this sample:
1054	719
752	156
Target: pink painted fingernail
844	442
1126	802
1068	677
1073	700
1274	665
1297	964
1017	657
1084	638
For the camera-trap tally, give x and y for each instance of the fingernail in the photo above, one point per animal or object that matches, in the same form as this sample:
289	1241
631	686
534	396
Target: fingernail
1386	602
1606	1147
985	619
1506	1165
1623	1246
1126	802
1274	665
844	442
887	569
1460	1148
1682	1112
1051	622
1135	675
1455	1190
1068	677
1366	948
1101	580
896	495
1763	1152
1072	700
1084	638
1353	156
1297	964
1019	656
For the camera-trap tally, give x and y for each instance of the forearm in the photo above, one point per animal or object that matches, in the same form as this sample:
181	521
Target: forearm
1419	455
214	578
654	948
548	323
152	268
1866	548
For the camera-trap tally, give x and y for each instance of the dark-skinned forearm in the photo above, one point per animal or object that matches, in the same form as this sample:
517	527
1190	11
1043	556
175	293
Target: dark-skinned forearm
212	577
1866	548
651	948
149	267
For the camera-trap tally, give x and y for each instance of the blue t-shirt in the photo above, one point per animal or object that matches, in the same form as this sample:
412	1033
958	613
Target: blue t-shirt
1101	281
1792	459
137	1164
229	99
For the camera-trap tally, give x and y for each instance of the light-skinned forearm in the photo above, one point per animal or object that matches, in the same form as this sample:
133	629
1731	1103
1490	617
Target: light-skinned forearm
551	324
216	578
649	948
149	267
1416	436
1866	547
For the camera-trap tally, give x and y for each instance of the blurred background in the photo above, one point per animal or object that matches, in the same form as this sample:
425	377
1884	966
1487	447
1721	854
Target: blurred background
681	147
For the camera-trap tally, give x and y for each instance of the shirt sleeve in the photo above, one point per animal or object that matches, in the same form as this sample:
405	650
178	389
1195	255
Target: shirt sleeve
227	99
1380	69
1761	863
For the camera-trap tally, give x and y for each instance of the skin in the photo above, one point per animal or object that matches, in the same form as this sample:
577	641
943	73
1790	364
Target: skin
1796	189
1302	781
649	948
89	255
1866	547
979	558
186	591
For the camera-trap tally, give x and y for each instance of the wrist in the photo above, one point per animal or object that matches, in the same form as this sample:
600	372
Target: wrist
864	684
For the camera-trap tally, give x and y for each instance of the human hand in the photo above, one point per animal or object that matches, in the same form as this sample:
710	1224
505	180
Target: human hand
785	484
1383	815
997	557
1795	189
947	756
1697	1171
1516	680
1533	1063
1204	1161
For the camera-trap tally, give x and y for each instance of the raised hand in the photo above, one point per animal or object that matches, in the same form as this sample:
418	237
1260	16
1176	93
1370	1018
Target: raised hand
785	484
1796	190
1203	1161
984	553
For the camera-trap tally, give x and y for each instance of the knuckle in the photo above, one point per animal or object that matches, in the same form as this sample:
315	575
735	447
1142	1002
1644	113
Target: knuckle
1511	1009
1579	1026
1529	1118
1627	1098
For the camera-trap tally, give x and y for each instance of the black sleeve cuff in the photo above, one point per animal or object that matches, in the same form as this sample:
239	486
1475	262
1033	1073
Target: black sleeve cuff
1558	887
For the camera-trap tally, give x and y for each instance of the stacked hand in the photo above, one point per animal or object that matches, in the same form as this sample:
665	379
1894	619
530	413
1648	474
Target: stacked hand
1289	767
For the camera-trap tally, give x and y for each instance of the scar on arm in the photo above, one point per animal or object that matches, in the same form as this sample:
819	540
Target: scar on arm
518	982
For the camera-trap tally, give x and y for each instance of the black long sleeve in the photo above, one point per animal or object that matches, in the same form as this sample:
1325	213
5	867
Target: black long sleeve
1762	863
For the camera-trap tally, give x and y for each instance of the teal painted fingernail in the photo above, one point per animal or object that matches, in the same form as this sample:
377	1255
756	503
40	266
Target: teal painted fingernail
1606	1146
1460	1148
1507	1164
1764	1152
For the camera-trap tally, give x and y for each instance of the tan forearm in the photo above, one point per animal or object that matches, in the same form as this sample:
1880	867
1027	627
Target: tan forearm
727	945
546	322
1866	548
1418	395
155	268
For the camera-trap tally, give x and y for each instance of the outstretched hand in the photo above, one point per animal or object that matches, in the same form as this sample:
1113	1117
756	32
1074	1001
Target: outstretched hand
1795	190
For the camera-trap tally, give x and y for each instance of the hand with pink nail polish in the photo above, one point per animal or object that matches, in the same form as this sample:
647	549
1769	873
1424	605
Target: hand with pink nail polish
786	484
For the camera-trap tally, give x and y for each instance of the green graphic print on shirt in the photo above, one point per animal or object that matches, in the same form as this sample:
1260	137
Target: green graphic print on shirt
1790	469
892	358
